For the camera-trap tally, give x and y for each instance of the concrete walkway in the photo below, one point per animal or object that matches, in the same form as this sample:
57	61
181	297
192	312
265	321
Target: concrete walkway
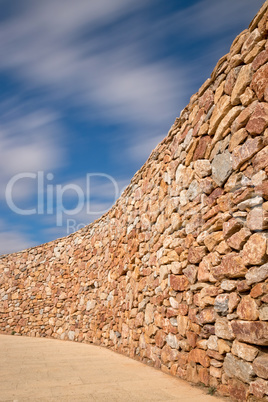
34	369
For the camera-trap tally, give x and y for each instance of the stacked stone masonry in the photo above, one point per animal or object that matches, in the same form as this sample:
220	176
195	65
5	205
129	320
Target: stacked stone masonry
176	273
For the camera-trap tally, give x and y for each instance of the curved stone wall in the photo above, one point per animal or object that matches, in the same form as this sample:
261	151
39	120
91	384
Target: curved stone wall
175	274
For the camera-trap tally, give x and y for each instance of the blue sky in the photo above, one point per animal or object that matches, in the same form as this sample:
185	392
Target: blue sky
91	87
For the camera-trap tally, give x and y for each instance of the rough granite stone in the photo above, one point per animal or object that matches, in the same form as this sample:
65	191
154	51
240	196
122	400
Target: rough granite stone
259	81
232	266
248	309
264	313
223	329
257	219
254	332
243	80
222	108
260	366
260	161
246	151
237	240
237	390
202	167
237	138
259	388
199	356
240	369
221	304
259	120
221	168
254	251
257	274
244	351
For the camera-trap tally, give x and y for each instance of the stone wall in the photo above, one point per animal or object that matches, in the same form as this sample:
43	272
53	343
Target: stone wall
175	274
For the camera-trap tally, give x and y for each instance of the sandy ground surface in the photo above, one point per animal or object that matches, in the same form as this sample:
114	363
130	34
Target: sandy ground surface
34	369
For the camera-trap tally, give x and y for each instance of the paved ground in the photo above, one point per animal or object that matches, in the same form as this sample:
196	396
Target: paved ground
34	369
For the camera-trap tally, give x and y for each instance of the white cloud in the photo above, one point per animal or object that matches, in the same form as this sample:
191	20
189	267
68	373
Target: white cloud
207	18
213	17
210	25
67	48
140	151
11	241
46	48
29	142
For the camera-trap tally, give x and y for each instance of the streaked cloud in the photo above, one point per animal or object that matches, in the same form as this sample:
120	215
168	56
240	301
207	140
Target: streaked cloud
12	240
29	142
125	64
